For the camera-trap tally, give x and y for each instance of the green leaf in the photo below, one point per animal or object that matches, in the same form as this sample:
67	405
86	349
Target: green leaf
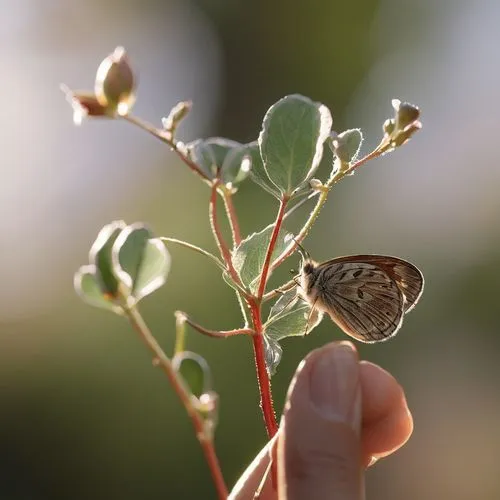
272	353
88	287
141	263
291	141
258	173
222	158
237	165
288	317
239	291
347	144
248	258
100	257
195	372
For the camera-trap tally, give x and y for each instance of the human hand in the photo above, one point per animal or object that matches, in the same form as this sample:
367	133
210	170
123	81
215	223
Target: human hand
340	417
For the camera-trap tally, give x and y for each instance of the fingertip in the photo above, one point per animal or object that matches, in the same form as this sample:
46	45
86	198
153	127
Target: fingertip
387	420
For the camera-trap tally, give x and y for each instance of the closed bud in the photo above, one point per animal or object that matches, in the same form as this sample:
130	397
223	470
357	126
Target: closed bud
115	83
406	114
176	115
389	126
316	184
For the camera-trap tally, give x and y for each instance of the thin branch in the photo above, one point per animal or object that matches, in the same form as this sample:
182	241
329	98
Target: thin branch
180	334
270	248
339	174
280	290
218	334
231	216
167	139
266	398
196	249
221	244
163	361
300	203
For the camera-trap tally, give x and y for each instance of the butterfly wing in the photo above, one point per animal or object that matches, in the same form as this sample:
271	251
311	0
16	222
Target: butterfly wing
361	298
408	277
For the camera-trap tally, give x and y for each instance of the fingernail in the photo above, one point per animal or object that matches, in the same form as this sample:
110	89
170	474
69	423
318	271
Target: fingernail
334	384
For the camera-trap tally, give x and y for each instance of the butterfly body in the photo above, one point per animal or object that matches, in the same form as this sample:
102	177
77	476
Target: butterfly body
365	295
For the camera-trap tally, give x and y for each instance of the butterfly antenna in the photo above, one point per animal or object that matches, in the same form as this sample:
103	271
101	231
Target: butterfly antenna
303	252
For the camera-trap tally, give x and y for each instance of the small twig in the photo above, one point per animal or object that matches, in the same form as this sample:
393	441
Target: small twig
339	174
167	139
280	290
196	249
160	359
221	244
180	333
300	203
270	248
218	334
231	216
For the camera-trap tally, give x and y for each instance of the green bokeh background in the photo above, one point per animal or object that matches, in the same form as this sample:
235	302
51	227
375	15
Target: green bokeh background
83	415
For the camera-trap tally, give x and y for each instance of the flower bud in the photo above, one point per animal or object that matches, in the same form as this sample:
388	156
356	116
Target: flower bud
389	126
178	113
406	114
115	83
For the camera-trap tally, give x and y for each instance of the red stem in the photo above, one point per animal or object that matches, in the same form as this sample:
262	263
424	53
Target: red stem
218	334
266	398
233	219
224	250
270	248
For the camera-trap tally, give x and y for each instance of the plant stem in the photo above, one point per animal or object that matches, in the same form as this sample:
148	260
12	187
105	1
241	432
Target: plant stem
231	217
218	334
272	243
180	333
223	249
266	398
195	248
163	361
280	290
322	199
167	139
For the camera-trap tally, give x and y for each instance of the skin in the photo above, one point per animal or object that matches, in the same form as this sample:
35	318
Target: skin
341	416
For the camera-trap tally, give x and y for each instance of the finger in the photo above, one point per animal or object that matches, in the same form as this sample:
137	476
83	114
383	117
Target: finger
386	426
387	421
319	449
251	479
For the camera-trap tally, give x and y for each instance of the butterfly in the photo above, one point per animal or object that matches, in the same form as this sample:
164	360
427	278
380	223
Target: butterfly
365	295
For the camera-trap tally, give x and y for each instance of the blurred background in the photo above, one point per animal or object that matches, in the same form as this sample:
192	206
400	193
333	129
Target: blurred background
82	413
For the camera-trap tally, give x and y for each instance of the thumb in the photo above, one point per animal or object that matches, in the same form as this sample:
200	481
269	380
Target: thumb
319	447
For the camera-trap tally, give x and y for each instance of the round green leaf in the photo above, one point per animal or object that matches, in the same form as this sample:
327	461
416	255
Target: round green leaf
141	263
258	173
291	141
209	154
195	372
88	287
100	256
347	144
288	317
248	258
